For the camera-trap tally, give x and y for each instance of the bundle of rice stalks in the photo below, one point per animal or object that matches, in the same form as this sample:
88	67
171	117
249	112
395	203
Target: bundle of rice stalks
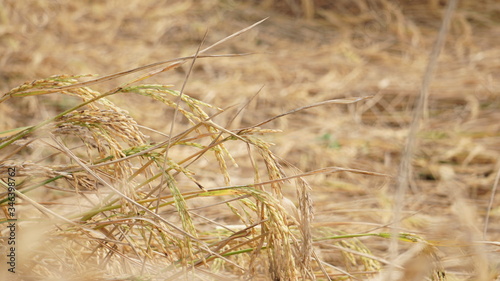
93	197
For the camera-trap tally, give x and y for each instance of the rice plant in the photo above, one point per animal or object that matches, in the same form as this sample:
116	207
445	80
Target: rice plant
96	197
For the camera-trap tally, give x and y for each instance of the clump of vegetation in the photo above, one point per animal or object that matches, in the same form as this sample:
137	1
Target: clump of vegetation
116	202
131	179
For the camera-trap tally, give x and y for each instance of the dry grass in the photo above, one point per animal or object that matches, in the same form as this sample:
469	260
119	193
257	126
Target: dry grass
108	191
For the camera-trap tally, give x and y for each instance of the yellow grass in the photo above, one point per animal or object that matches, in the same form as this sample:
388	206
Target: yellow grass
94	204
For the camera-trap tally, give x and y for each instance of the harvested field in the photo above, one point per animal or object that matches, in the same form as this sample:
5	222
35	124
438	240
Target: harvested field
327	142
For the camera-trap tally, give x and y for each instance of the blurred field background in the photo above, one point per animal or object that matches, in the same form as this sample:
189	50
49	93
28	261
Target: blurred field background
306	52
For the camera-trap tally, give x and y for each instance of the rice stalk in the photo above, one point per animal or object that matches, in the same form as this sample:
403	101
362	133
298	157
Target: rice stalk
129	206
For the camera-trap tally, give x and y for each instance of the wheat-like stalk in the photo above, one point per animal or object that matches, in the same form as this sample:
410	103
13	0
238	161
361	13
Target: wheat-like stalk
117	202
